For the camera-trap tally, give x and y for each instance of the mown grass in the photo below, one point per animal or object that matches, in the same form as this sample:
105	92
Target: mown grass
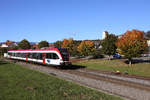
19	83
140	69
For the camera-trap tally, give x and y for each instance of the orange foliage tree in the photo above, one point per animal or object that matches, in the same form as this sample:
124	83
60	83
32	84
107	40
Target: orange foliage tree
86	48
69	44
132	44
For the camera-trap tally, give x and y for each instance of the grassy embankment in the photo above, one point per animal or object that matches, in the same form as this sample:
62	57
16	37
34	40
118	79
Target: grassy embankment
140	69
18	83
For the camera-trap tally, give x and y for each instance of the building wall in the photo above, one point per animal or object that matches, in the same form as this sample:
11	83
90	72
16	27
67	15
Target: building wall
104	35
148	42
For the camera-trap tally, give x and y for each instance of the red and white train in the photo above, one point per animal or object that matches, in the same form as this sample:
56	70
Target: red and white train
51	56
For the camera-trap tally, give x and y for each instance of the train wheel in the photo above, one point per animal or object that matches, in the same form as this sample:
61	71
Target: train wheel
62	67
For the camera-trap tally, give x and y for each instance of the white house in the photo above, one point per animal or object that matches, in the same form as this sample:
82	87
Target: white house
148	42
4	46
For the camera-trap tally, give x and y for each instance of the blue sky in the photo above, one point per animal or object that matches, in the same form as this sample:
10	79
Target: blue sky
53	20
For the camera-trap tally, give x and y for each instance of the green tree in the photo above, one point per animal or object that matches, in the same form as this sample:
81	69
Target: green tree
109	45
132	44
2	51
97	54
75	52
24	44
58	43
43	44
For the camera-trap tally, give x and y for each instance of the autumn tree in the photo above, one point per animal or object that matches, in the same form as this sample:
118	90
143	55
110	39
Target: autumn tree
24	44
109	45
86	48
69	44
43	44
132	44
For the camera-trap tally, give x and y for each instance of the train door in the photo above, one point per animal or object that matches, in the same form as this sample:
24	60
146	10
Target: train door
26	57
10	54
56	60
43	57
52	58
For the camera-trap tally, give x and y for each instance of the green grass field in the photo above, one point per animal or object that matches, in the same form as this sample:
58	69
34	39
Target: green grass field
19	83
140	69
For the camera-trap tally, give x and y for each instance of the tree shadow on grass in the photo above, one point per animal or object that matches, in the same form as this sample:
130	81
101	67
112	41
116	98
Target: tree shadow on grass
69	67
3	62
136	61
74	67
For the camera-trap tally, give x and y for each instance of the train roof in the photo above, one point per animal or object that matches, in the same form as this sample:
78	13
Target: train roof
49	49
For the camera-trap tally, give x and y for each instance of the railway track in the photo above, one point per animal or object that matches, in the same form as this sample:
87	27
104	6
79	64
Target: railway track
117	80
128	88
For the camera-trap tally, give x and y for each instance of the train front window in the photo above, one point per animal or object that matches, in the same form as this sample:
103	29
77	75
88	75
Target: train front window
65	54
52	56
39	56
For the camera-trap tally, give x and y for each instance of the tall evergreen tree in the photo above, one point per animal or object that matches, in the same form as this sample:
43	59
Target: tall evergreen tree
24	44
58	43
43	44
108	45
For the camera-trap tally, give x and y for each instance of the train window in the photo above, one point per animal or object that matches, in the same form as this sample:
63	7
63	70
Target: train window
34	55
23	55
52	56
55	56
49	55
39	55
15	54
30	55
18	54
10	54
26	55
